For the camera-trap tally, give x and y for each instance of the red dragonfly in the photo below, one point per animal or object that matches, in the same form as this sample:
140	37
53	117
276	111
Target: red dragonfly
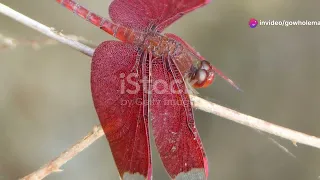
142	78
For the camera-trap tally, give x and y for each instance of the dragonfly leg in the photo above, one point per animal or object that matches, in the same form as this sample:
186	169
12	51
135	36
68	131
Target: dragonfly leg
165	66
138	61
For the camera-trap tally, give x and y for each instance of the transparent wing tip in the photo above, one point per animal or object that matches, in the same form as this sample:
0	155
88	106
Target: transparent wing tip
234	85
216	70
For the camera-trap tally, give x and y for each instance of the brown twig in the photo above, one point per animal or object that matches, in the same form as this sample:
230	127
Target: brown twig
54	165
199	103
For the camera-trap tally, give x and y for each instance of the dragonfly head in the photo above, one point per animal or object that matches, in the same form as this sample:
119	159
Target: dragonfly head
202	75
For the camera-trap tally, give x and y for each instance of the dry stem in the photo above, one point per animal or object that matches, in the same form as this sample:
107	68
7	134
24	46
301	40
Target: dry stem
54	165
9	43
199	103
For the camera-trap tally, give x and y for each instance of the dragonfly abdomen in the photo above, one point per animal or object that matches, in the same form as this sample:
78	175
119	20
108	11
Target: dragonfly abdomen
158	44
120	32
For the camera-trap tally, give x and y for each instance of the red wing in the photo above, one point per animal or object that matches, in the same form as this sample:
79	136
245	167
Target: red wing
176	136
185	62
141	14
120	109
190	57
186	45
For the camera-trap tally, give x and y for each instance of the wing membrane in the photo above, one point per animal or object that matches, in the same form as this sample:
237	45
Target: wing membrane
140	14
118	102
176	136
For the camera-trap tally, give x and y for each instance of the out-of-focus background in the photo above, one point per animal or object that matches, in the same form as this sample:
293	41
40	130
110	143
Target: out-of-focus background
46	105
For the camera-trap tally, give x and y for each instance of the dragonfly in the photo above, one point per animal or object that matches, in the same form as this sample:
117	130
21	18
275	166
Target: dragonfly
142	80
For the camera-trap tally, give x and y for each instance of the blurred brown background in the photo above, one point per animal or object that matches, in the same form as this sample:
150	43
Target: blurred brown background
46	105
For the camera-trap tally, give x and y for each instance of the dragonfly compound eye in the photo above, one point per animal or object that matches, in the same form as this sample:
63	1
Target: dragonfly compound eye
199	78
205	65
203	75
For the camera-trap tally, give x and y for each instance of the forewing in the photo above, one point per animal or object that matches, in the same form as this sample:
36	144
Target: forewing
117	98
176	136
141	14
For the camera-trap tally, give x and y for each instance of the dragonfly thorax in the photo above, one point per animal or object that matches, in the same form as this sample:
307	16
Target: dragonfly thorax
161	45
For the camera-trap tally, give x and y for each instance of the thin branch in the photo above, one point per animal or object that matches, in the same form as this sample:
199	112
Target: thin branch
255	123
5	10
54	165
9	43
199	103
